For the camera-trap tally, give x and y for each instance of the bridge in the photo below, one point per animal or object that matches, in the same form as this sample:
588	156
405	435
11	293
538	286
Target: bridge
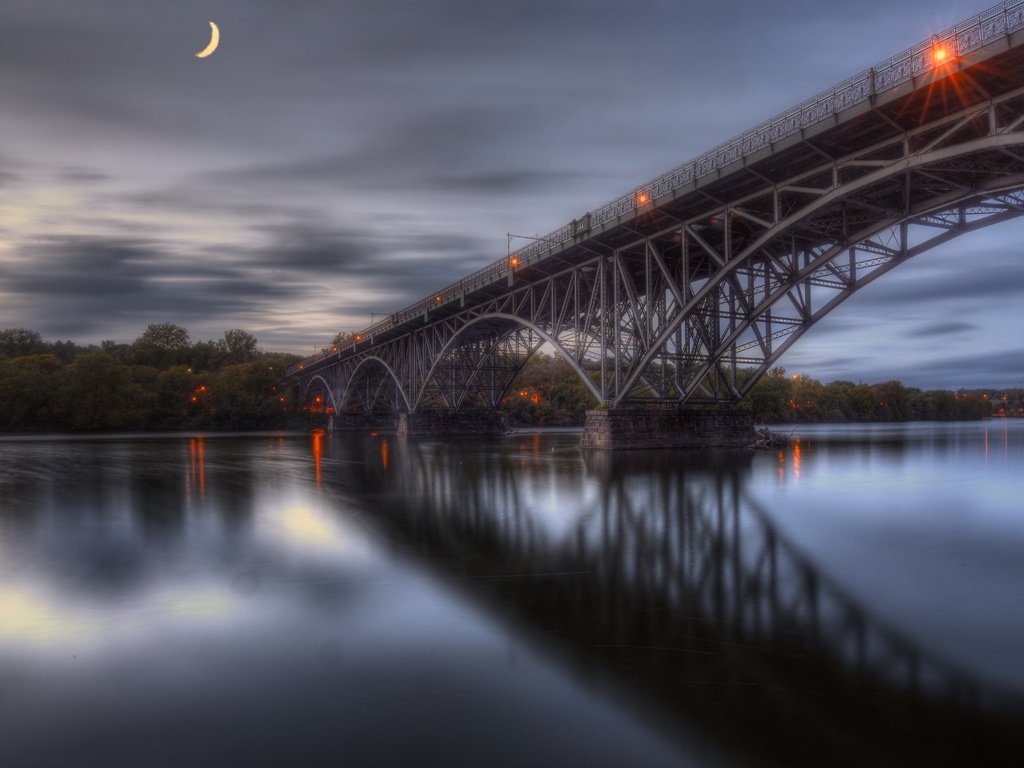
671	301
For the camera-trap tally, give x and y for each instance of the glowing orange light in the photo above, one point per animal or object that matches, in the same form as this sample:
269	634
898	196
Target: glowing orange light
201	450
642	198
514	261
202	388
318	451
194	398
334	349
437	299
318	398
358	338
940	54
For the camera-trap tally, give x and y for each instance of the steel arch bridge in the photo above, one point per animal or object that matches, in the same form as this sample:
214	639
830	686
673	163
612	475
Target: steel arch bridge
688	289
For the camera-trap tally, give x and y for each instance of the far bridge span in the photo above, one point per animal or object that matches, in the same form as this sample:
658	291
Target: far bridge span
671	301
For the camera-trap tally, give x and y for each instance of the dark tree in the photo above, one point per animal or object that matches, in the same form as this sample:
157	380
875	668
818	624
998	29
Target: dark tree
161	344
240	345
17	342
100	394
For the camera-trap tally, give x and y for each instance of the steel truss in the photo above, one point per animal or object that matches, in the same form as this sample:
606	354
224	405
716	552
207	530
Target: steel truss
694	310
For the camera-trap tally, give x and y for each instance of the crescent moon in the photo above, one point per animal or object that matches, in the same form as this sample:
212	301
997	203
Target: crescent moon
214	42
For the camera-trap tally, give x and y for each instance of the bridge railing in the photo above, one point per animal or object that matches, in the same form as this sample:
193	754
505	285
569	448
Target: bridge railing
967	36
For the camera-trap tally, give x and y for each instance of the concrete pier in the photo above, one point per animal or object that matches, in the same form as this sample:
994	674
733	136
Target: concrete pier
623	429
442	423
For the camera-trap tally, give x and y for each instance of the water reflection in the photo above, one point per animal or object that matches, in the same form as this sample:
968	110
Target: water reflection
213	578
28	618
254	622
196	480
671	578
318	454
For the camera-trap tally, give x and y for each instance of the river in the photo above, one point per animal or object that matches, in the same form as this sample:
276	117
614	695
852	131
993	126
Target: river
352	599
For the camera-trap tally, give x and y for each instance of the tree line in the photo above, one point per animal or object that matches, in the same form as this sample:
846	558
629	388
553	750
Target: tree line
549	392
161	381
778	398
164	381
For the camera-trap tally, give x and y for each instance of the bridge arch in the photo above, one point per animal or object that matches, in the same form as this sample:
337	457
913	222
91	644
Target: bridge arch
374	360
829	306
993	202
327	388
514	321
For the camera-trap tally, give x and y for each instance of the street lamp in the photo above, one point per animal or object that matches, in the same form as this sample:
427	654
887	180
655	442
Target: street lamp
515	261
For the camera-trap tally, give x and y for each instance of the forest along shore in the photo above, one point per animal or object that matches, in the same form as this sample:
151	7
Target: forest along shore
165	381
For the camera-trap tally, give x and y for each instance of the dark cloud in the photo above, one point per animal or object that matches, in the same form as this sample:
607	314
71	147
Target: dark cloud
447	152
840	362
978	273
81	285
509	181
946	328
391	262
81	175
997	368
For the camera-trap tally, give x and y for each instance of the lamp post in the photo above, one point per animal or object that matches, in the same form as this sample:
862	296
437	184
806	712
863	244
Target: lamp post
514	261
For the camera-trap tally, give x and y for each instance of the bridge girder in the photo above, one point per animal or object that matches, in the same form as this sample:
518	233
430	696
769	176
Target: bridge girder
696	309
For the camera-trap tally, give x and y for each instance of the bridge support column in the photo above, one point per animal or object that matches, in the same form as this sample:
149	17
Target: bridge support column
440	423
621	429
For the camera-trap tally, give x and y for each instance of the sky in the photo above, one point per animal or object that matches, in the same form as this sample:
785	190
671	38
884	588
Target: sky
334	159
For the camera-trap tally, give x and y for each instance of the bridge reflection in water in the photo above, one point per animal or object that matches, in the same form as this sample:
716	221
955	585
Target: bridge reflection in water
670	585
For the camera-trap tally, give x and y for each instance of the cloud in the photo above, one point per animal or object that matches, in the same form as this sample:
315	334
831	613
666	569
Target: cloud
81	175
946	328
402	264
967	273
999	368
74	286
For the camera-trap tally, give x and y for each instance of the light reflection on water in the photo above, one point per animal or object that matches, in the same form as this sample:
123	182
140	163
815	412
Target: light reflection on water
924	522
313	598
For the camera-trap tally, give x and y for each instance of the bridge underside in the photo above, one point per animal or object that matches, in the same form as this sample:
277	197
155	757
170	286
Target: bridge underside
687	300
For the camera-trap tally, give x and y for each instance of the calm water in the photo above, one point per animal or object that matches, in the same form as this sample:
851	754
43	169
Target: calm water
855	599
